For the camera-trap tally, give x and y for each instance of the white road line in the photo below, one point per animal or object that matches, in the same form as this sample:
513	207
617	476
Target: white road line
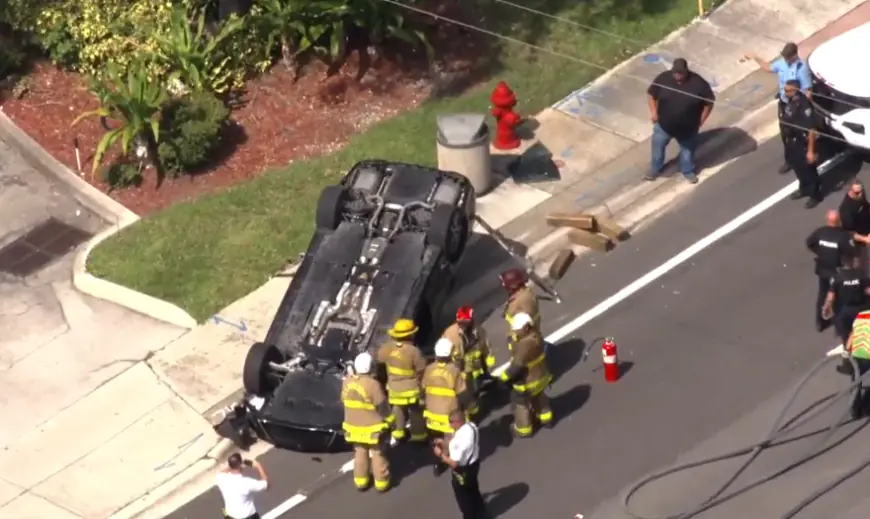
285	507
625	293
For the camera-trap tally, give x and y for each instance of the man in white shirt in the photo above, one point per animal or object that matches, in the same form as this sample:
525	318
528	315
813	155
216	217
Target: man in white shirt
238	489
463	457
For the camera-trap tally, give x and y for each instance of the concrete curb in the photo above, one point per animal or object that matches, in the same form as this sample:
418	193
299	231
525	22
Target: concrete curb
546	248
108	209
121	295
84	193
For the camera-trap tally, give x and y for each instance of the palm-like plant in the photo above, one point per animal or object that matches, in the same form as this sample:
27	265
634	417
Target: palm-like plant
134	101
187	49
291	24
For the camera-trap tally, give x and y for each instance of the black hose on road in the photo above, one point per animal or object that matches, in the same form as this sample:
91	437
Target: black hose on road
777	431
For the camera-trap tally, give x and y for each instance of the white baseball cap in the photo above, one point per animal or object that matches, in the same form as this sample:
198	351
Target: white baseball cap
443	348
362	364
520	321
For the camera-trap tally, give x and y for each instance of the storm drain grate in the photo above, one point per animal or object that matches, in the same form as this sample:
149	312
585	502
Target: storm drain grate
39	247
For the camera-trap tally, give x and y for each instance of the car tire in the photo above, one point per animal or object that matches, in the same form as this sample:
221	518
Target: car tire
256	377
448	231
329	208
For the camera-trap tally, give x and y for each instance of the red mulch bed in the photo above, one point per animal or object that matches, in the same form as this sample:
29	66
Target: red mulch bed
279	120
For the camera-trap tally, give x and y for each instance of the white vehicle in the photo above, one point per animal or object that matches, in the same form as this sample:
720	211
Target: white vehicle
843	82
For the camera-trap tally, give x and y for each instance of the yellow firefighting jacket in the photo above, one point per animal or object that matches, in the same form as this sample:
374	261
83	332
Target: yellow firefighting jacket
528	368
470	351
445	390
405	364
366	412
859	343
524	301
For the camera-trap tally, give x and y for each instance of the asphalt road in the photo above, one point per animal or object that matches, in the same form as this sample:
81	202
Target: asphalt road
710	352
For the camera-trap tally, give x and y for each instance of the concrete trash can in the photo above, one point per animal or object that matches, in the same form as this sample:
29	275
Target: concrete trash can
463	147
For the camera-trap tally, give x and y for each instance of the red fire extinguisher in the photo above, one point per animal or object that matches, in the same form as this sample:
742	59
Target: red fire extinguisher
611	361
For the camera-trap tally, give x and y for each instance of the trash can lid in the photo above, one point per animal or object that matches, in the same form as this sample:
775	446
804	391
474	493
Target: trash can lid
461	129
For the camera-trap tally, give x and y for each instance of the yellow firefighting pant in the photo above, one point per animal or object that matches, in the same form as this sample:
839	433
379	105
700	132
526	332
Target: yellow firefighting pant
369	460
529	407
472	401
406	414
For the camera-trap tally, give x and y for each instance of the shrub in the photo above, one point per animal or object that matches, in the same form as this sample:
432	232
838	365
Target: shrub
191	131
11	58
135	103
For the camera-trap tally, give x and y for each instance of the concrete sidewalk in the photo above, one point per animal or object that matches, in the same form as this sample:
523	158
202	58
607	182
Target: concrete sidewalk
143	433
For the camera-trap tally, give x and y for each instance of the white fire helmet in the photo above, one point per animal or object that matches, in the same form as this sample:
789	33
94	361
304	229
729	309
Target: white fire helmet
443	348
362	364
520	321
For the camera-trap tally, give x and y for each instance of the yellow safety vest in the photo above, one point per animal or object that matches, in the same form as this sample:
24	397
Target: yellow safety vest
861	336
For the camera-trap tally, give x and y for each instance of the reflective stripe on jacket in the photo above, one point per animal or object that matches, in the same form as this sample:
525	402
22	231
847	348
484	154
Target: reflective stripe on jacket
444	387
366	412
471	351
528	369
860	348
405	364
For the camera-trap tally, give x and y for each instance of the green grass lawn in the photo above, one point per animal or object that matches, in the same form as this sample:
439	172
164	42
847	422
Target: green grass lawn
205	254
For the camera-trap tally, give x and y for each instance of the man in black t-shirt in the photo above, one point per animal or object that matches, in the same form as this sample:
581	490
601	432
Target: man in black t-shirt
855	210
680	102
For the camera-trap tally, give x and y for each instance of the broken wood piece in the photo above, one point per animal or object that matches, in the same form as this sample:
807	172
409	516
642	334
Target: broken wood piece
610	228
561	264
585	222
590	240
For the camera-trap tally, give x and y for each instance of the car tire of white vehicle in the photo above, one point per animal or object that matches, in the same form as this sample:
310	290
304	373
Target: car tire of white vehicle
329	208
448	230
257	378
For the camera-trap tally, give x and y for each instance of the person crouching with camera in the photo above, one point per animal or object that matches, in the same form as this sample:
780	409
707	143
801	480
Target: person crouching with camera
238	490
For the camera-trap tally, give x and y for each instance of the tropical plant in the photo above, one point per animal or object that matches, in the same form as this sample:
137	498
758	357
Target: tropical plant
290	24
135	103
186	48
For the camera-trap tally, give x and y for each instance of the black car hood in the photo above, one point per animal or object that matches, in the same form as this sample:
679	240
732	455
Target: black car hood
308	400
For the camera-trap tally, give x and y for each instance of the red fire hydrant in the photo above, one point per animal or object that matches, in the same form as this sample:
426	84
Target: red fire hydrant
611	361
503	102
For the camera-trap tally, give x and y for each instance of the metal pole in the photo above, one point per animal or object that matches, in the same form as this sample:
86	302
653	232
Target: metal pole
701	8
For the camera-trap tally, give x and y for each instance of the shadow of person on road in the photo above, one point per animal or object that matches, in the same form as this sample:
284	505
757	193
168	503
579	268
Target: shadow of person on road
567	403
500	501
563	356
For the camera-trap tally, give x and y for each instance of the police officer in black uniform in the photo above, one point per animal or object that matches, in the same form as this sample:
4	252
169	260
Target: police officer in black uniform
830	243
799	124
850	292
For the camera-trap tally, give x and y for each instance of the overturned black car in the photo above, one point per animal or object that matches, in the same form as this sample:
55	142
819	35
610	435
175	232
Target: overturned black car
386	246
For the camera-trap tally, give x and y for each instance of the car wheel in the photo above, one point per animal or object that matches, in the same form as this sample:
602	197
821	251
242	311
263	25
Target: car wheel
329	208
256	377
449	231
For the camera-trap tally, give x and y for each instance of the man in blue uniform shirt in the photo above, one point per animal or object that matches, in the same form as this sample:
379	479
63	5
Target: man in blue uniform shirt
788	66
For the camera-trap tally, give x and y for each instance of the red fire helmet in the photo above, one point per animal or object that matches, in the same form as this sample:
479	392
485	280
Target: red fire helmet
464	314
513	279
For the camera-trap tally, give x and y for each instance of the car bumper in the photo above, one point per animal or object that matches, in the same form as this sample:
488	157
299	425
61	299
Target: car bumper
246	423
847	117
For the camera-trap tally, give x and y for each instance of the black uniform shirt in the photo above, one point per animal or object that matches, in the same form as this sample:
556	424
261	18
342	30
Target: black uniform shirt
680	104
849	286
800	117
830	245
855	214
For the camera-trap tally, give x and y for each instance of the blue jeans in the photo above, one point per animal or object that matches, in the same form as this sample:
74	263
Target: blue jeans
660	140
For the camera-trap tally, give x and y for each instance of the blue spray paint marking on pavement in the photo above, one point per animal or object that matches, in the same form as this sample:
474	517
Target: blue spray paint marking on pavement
652	58
600	185
241	326
181	448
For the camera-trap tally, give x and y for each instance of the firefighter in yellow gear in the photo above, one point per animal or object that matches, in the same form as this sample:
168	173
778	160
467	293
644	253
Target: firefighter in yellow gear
367	419
521	298
529	376
444	392
471	352
405	364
